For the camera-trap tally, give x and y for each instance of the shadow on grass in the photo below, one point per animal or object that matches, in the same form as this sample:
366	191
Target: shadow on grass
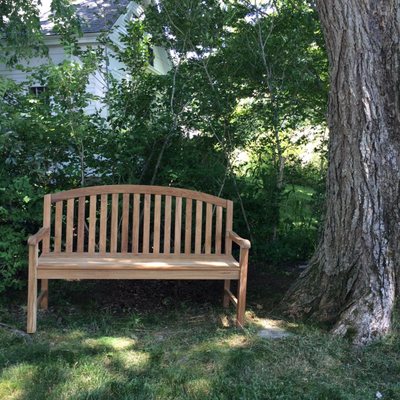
100	341
176	360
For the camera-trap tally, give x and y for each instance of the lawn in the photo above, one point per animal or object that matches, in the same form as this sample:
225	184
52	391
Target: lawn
169	340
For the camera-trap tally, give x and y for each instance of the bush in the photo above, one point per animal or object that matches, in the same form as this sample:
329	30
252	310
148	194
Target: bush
20	213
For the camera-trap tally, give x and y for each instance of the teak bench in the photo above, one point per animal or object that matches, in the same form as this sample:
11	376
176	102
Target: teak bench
135	232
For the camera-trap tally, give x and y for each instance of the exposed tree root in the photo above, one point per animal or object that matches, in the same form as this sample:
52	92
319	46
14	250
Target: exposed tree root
16	331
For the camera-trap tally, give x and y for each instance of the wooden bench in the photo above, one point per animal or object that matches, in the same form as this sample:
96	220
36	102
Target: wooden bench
135	232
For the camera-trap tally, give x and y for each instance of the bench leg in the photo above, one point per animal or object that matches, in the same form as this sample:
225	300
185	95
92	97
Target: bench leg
242	287
241	305
44	287
227	286
32	291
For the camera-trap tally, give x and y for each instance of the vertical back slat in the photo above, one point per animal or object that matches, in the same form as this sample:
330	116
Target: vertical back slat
229	218
81	225
58	226
178	225
188	227
146	224
114	223
135	223
208	228
70	226
157	221
103	224
46	221
92	224
218	230
167	225
125	222
199	222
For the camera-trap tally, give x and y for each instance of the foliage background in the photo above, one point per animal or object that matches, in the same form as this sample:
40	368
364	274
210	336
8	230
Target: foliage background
244	99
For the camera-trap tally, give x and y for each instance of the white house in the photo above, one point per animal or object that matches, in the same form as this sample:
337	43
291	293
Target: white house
96	17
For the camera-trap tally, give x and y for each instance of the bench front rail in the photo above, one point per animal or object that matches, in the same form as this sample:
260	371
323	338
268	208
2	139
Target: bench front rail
135	232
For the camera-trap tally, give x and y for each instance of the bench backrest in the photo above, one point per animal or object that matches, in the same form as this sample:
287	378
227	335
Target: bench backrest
137	219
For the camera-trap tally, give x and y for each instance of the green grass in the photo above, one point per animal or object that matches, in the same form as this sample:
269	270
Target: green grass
183	349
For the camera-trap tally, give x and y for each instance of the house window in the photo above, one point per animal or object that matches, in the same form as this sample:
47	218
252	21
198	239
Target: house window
151	55
37	90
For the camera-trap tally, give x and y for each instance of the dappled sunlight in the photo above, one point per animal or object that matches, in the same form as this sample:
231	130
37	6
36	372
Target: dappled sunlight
10	390
234	341
179	361
115	343
273	324
221	344
86	377
136	360
58	338
224	321
254	321
15	379
199	388
72	365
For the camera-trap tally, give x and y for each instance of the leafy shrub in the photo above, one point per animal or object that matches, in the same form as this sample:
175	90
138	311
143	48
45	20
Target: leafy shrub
20	213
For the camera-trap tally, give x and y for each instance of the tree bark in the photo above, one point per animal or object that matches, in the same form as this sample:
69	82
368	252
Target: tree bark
351	280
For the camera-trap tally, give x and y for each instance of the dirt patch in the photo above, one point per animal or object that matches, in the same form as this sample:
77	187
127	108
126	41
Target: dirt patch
266	287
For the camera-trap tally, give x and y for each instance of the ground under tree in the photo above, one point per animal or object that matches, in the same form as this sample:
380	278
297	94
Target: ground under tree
351	280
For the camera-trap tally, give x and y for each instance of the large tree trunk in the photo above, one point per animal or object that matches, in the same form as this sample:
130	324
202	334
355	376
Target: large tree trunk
352	277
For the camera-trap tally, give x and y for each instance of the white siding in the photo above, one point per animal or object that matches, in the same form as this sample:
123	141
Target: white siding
98	87
97	83
162	62
115	67
56	55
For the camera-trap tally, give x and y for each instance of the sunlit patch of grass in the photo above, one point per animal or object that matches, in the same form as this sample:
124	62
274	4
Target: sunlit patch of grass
134	360
199	388
86	376
233	341
115	343
265	323
166	358
13	380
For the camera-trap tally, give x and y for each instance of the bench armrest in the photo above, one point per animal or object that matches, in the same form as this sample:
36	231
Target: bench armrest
243	243
38	236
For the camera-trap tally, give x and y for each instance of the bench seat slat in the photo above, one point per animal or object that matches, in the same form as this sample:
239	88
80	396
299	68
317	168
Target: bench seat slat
165	274
121	266
139	262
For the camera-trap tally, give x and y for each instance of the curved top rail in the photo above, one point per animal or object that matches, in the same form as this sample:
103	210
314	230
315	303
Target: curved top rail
139	189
